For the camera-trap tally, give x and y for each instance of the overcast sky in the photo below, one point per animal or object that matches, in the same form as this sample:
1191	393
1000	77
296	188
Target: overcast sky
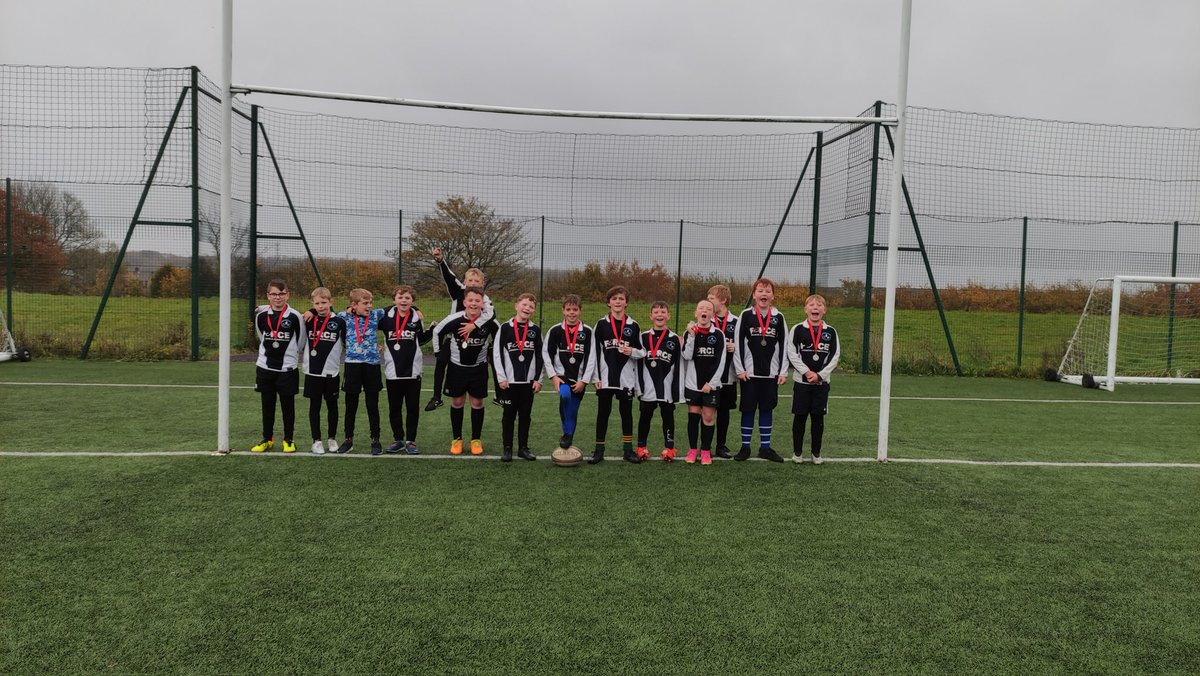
1107	61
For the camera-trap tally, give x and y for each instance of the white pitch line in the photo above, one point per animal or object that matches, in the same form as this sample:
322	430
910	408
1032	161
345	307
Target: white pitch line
483	458
781	395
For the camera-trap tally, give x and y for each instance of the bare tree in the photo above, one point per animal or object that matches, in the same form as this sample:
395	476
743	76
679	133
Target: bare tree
473	236
73	228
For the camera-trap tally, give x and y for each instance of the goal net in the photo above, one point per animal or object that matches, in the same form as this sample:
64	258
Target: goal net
1135	330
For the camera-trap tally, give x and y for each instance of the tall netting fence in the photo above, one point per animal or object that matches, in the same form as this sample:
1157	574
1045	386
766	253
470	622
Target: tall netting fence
1011	219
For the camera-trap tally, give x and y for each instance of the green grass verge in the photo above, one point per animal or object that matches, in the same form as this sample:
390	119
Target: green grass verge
266	565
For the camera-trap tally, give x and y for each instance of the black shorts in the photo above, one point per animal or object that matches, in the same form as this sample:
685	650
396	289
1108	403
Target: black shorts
810	399
759	394
472	380
728	396
702	399
362	377
284	383
320	387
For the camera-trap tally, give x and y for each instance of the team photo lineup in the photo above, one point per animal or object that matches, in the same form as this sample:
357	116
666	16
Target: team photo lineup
720	363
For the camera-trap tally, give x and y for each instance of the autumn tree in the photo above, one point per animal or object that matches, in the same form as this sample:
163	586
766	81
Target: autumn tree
65	213
38	260
473	236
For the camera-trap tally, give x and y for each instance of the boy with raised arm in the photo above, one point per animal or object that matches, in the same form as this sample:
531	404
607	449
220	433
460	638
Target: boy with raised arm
467	337
569	364
761	365
616	342
726	323
281	340
473	277
658	381
813	352
404	332
703	365
517	357
322	367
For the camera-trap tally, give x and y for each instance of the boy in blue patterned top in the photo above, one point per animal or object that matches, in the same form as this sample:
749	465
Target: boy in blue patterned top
362	366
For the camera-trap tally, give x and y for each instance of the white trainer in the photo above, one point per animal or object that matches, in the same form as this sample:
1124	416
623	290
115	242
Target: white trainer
797	458
318	448
817	460
331	445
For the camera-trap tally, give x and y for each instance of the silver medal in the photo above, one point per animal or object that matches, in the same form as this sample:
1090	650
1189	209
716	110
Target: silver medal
275	344
571	360
464	344
520	357
396	346
653	363
313	353
763	342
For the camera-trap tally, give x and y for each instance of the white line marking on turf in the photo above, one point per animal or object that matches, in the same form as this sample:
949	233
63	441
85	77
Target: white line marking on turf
482	458
781	396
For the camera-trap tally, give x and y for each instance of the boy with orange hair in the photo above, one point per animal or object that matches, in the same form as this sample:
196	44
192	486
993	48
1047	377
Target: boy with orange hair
760	362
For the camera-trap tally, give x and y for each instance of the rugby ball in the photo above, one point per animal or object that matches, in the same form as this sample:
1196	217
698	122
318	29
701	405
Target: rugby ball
566	457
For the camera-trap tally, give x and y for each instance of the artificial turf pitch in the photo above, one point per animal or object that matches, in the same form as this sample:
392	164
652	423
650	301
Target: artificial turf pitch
303	564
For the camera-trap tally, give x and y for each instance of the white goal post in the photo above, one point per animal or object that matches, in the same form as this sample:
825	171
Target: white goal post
1135	329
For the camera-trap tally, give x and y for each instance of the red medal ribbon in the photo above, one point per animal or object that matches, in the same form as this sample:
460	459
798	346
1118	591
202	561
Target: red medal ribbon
521	338
278	324
621	331
317	335
400	326
763	324
571	336
470	320
816	335
654	350
723	324
361	332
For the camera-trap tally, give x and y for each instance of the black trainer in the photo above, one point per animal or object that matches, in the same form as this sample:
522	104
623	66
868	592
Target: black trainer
724	452
632	456
506	455
769	454
434	403
376	447
346	446
526	454
564	441
597	456
743	454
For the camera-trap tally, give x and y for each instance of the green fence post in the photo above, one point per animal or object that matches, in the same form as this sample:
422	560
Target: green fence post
542	274
1171	311
252	253
868	281
195	213
1021	290
678	274
8	254
816	216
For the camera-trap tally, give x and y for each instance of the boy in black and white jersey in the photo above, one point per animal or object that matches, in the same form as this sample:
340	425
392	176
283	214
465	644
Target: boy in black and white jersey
281	338
322	364
456	289
616	342
703	366
517	357
726	323
404	333
467	373
568	357
761	364
658	381
813	352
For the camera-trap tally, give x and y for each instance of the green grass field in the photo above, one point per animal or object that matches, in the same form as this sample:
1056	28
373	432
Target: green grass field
159	328
273	564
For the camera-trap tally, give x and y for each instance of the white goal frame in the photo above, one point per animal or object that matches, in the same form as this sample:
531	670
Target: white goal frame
1109	379
228	90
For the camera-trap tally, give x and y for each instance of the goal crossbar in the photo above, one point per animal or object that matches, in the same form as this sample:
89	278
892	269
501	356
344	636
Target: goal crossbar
547	112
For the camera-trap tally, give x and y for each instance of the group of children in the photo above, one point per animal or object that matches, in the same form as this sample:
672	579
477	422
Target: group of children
705	367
